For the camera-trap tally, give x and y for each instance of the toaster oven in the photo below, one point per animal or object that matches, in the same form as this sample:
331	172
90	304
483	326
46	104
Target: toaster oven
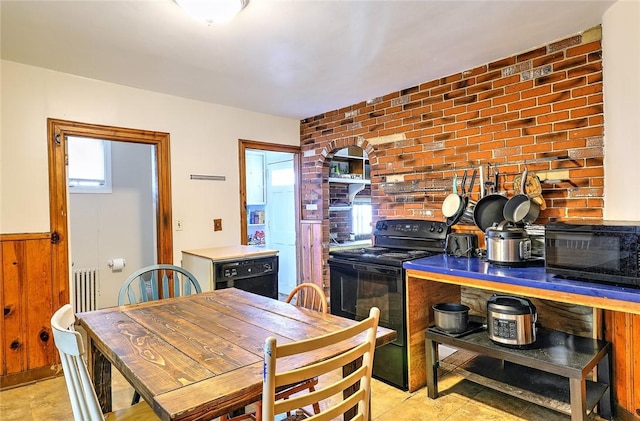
599	251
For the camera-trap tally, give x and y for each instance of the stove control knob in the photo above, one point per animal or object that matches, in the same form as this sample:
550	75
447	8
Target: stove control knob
440	229
432	228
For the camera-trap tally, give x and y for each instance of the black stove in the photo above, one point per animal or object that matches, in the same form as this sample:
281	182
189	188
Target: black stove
373	276
399	240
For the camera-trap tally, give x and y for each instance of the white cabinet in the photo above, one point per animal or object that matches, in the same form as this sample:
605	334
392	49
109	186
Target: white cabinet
255	178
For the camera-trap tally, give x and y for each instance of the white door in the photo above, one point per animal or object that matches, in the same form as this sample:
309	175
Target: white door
280	219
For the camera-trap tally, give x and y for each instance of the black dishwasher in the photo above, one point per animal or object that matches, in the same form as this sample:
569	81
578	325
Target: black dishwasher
256	275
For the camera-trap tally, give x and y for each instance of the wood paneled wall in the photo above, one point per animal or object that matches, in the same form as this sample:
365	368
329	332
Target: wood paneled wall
27	297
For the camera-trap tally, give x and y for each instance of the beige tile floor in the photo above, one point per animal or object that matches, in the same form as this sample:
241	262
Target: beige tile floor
459	400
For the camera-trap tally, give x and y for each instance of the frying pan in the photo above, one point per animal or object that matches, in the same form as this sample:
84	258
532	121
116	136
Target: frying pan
521	208
489	209
451	203
462	204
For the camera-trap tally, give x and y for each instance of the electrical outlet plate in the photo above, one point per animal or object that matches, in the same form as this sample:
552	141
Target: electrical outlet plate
179	225
217	224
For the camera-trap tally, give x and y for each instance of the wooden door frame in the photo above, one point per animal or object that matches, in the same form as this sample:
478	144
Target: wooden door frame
57	132
243	145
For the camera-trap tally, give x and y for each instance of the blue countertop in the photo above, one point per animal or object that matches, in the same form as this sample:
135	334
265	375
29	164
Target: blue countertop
533	277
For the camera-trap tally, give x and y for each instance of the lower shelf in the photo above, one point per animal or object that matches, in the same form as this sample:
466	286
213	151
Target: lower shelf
535	386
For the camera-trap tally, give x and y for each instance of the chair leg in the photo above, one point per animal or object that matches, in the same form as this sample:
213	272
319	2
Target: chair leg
316	406
136	397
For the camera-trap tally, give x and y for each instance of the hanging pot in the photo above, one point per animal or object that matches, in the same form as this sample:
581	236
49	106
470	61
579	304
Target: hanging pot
521	208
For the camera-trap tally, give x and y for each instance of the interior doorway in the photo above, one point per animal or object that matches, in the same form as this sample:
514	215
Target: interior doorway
58	132
269	194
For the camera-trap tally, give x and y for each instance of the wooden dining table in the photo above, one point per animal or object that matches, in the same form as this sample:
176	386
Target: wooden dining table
200	356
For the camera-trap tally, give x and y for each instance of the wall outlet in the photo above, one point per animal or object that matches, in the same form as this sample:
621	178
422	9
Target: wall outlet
217	224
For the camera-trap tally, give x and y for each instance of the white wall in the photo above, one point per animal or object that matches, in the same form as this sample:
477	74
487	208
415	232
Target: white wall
621	67
204	140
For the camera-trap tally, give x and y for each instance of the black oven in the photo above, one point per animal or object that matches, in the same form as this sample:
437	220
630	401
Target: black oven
601	251
374	277
355	288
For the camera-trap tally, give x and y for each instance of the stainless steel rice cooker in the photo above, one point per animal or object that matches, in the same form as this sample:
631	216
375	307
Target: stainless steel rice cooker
511	320
507	243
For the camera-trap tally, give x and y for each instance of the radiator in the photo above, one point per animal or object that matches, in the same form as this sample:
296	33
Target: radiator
85	295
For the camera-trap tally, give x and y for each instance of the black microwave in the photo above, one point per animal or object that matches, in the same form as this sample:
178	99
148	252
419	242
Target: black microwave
600	251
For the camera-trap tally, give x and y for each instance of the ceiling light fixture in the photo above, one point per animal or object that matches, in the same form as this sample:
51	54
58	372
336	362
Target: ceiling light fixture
212	11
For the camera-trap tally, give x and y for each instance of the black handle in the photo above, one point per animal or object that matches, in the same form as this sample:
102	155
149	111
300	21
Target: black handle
15	344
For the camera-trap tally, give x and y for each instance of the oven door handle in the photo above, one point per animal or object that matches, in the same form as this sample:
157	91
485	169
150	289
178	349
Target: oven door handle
393	237
363	268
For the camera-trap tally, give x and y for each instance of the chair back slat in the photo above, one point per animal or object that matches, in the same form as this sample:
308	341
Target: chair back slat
360	340
84	402
157	284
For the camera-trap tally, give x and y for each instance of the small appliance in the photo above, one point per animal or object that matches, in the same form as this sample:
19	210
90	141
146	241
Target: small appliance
511	321
594	251
507	244
461	244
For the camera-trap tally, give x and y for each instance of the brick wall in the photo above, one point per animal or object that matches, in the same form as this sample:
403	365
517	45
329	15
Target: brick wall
541	109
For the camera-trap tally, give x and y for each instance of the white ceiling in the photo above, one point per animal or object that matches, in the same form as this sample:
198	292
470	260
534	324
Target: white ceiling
292	58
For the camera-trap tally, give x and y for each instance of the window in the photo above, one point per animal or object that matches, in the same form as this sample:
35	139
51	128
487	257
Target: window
361	217
89	165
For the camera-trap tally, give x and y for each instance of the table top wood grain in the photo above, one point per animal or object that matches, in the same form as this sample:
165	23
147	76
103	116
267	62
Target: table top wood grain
201	356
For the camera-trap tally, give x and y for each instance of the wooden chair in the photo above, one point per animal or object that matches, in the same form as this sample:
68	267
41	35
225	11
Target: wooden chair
84	401
307	295
359	379
153	283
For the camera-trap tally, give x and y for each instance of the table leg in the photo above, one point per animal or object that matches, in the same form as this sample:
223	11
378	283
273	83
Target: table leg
578	398
431	361
100	371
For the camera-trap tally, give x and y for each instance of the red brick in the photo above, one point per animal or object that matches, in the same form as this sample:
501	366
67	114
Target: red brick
548	59
505	62
509	80
522	104
569	84
573	103
538	91
493	111
536	111
587	132
506	134
479	105
586	111
506	99
551	117
584	48
505	117
587	90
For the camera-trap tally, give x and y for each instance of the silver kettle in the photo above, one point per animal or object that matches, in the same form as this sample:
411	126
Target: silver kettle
507	244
